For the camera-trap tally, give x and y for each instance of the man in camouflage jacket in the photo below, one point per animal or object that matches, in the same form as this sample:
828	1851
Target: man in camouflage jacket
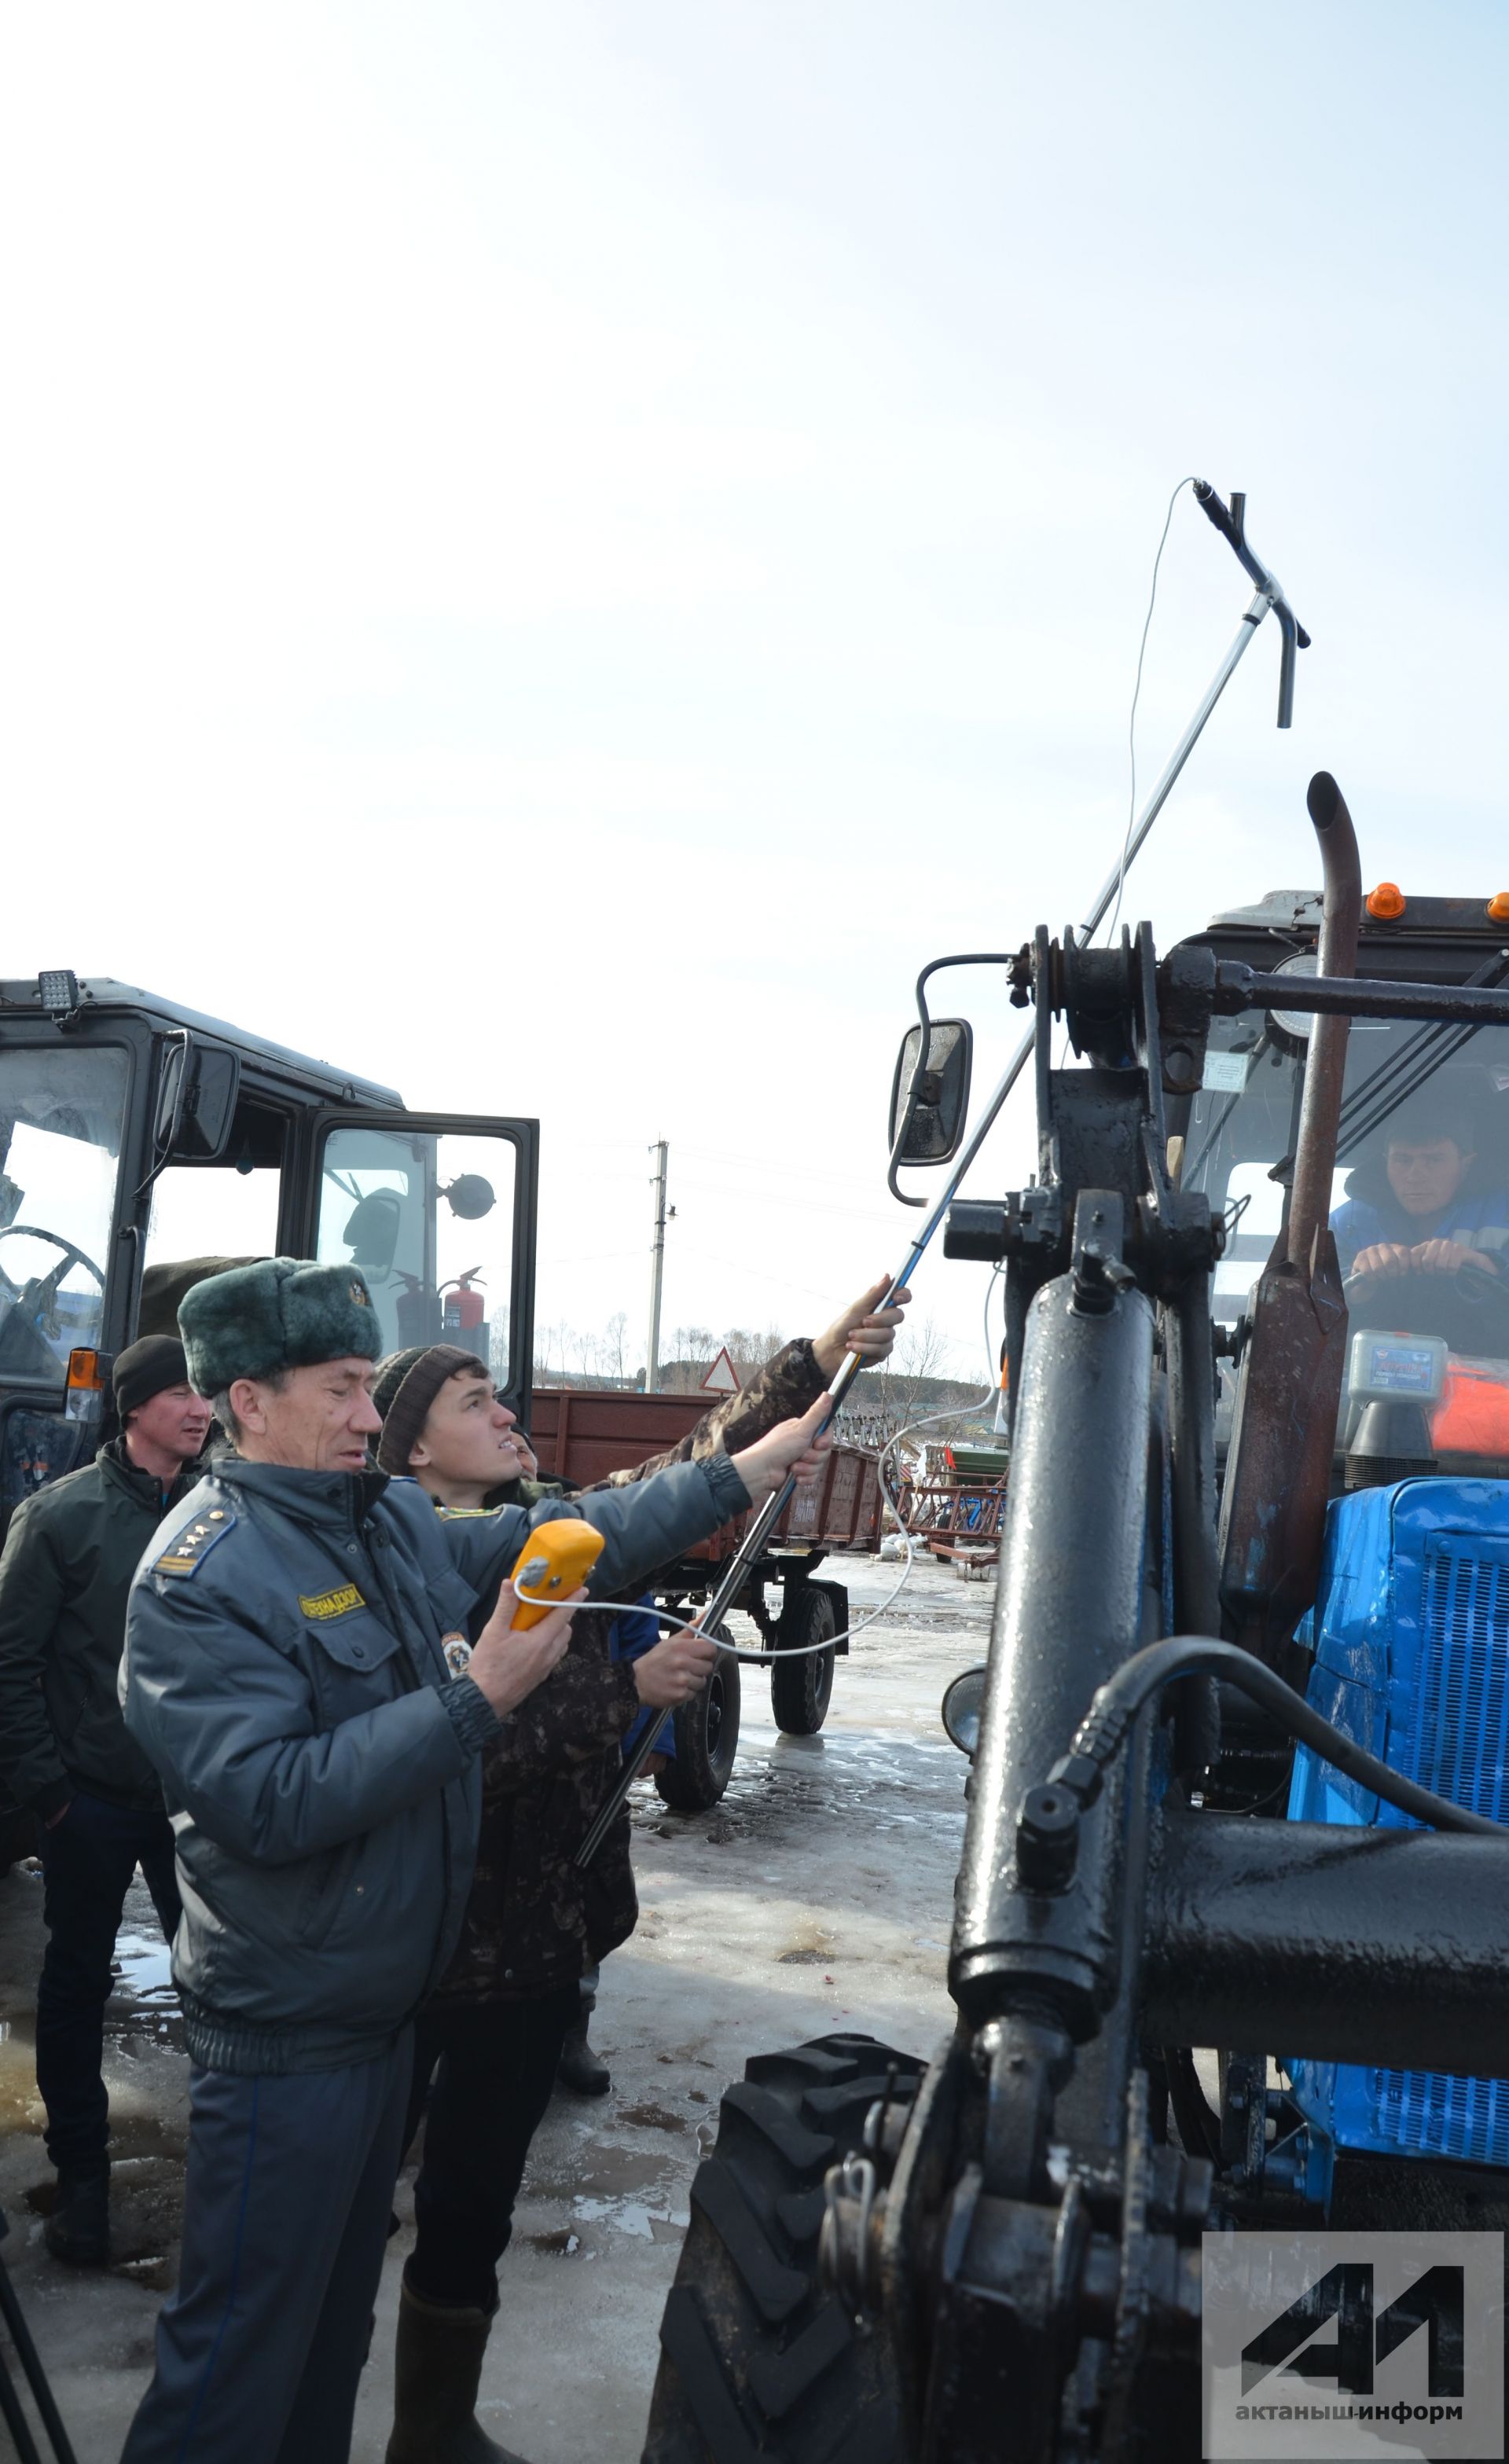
492	2032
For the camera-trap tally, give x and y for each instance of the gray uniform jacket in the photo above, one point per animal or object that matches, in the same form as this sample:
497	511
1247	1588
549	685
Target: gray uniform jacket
286	1672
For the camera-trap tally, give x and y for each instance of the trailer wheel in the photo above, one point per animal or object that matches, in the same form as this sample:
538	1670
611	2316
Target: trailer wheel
757	2358
801	1690
707	1735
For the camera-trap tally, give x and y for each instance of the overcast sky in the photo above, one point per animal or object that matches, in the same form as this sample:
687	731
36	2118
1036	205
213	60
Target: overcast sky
554	554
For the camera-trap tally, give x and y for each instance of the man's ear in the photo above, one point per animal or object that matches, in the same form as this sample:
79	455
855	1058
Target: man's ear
420	1457
246	1400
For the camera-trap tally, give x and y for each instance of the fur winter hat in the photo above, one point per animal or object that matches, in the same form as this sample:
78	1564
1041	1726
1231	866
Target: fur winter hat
280	1313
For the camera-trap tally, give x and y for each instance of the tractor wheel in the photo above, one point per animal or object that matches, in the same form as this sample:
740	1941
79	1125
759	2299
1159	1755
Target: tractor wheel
757	2358
801	1690
707	1735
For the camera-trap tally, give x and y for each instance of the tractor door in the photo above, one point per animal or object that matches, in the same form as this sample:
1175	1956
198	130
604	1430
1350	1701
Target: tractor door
438	1212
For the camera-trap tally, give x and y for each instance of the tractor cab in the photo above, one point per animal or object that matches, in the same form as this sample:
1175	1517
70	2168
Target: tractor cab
143	1147
1420	1200
1408	1639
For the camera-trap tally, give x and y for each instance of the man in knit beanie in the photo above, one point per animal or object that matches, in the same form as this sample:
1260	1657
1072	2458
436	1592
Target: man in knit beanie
494	2033
69	1557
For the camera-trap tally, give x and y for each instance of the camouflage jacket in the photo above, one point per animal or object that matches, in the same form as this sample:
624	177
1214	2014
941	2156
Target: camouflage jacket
534	1921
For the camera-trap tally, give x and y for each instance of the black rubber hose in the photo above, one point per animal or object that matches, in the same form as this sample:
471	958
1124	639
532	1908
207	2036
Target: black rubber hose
1106	1726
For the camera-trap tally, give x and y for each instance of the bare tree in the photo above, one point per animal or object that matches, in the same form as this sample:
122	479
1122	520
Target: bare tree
903	1390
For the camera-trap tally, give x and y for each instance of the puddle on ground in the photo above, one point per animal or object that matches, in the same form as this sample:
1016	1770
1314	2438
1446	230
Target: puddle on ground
604	2171
560	2244
628	2216
144	1969
811	1947
651	2117
143	2002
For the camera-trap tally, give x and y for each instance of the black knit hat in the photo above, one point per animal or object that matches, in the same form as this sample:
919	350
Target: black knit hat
407	1383
144	1369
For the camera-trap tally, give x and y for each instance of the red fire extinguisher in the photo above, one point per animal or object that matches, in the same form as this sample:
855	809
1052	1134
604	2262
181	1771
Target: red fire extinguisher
465	1307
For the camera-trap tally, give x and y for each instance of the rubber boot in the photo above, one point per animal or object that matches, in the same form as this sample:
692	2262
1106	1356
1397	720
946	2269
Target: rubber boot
579	2068
77	2232
437	2368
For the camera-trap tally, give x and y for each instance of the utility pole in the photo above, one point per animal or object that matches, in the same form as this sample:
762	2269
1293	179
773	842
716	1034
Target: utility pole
657	1264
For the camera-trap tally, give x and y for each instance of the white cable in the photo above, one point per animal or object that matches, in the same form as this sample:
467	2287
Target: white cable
1131	724
808	1650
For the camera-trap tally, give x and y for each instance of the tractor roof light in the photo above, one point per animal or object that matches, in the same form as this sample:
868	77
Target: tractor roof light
1386	902
58	991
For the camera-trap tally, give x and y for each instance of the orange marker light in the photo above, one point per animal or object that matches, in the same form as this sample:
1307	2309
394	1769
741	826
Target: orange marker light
83	1372
1386	902
1498	907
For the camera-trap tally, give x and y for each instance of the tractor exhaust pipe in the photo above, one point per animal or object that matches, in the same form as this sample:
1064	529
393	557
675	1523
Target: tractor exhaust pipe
1273	1512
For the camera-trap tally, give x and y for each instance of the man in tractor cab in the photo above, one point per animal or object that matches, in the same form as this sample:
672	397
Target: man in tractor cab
1429	1210
493	2033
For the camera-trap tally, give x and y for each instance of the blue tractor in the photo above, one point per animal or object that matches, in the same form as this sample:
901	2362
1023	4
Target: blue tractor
1230	1956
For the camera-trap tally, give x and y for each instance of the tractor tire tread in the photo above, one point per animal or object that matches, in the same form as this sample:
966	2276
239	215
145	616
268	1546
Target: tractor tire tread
775	2289
759	2360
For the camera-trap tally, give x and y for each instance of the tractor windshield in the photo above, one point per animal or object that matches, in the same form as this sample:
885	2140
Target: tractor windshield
1420	1209
60	1122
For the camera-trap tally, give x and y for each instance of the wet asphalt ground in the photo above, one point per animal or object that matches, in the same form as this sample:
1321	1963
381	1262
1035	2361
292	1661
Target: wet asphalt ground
816	1897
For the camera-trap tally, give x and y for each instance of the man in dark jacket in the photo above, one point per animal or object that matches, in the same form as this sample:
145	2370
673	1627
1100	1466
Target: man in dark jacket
298	1670
491	2035
69	1557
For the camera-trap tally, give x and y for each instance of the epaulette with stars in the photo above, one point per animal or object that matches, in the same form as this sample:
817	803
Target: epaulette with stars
193	1544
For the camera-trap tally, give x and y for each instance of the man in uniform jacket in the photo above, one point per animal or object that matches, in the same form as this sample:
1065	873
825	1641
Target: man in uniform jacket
297	1670
490	2037
69	1557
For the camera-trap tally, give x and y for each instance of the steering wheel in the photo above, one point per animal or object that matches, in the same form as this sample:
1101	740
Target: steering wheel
45	1290
1466	1306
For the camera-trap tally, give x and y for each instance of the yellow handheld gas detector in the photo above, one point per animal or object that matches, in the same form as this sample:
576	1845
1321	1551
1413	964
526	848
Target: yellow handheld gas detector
556	1559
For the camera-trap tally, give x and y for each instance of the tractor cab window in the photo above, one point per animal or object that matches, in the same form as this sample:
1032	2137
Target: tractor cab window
429	1218
61	1114
1421	1211
218	1213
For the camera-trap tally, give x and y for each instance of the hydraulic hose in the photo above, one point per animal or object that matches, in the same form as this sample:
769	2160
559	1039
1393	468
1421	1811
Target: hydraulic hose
1106	1725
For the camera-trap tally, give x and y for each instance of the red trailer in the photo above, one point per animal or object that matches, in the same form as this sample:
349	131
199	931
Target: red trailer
582	1434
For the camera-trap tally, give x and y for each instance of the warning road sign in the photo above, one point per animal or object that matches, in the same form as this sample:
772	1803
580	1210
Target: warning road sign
722	1378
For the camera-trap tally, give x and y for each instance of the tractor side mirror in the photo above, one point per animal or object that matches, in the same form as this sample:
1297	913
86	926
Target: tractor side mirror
196	1102
469	1195
929	1099
962	1703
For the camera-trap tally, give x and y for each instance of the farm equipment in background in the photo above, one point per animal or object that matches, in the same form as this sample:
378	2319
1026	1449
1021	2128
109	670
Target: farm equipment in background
583	1433
958	1517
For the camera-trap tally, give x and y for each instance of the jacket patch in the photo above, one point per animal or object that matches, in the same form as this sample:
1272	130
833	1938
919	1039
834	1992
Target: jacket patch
192	1545
332	1604
457	1652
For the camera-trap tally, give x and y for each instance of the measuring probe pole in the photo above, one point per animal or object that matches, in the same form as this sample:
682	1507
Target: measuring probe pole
736	1573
